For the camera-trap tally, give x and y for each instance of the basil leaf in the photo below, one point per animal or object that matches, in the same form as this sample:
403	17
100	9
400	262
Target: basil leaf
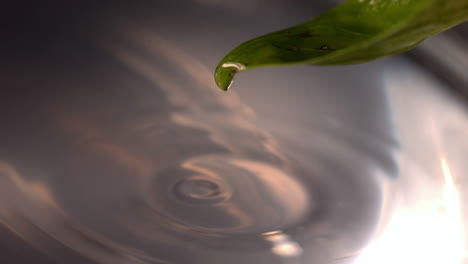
354	32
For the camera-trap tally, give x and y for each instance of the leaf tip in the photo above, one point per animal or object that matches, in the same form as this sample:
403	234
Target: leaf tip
225	73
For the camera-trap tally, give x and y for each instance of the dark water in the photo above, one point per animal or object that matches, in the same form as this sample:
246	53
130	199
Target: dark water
116	146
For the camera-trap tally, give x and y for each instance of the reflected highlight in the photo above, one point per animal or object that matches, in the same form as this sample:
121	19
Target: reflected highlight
282	244
431	233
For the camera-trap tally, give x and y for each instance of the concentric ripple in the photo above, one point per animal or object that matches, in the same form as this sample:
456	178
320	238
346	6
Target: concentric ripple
149	163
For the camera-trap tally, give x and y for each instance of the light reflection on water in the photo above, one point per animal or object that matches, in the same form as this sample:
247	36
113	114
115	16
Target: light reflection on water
170	173
143	160
428	225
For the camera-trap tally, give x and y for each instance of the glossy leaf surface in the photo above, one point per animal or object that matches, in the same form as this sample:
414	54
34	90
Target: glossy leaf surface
354	32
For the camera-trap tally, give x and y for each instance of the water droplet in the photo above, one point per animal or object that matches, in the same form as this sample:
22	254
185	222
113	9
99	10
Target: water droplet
283	245
225	74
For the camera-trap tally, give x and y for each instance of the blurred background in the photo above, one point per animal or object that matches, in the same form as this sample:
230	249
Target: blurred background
116	146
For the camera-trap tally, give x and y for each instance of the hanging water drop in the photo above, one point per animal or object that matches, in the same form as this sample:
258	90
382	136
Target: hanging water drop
225	74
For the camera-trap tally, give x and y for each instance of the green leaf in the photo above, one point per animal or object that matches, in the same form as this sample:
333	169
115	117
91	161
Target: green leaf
354	32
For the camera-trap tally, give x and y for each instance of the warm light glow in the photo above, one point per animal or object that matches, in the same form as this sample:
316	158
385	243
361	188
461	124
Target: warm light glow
282	244
431	233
